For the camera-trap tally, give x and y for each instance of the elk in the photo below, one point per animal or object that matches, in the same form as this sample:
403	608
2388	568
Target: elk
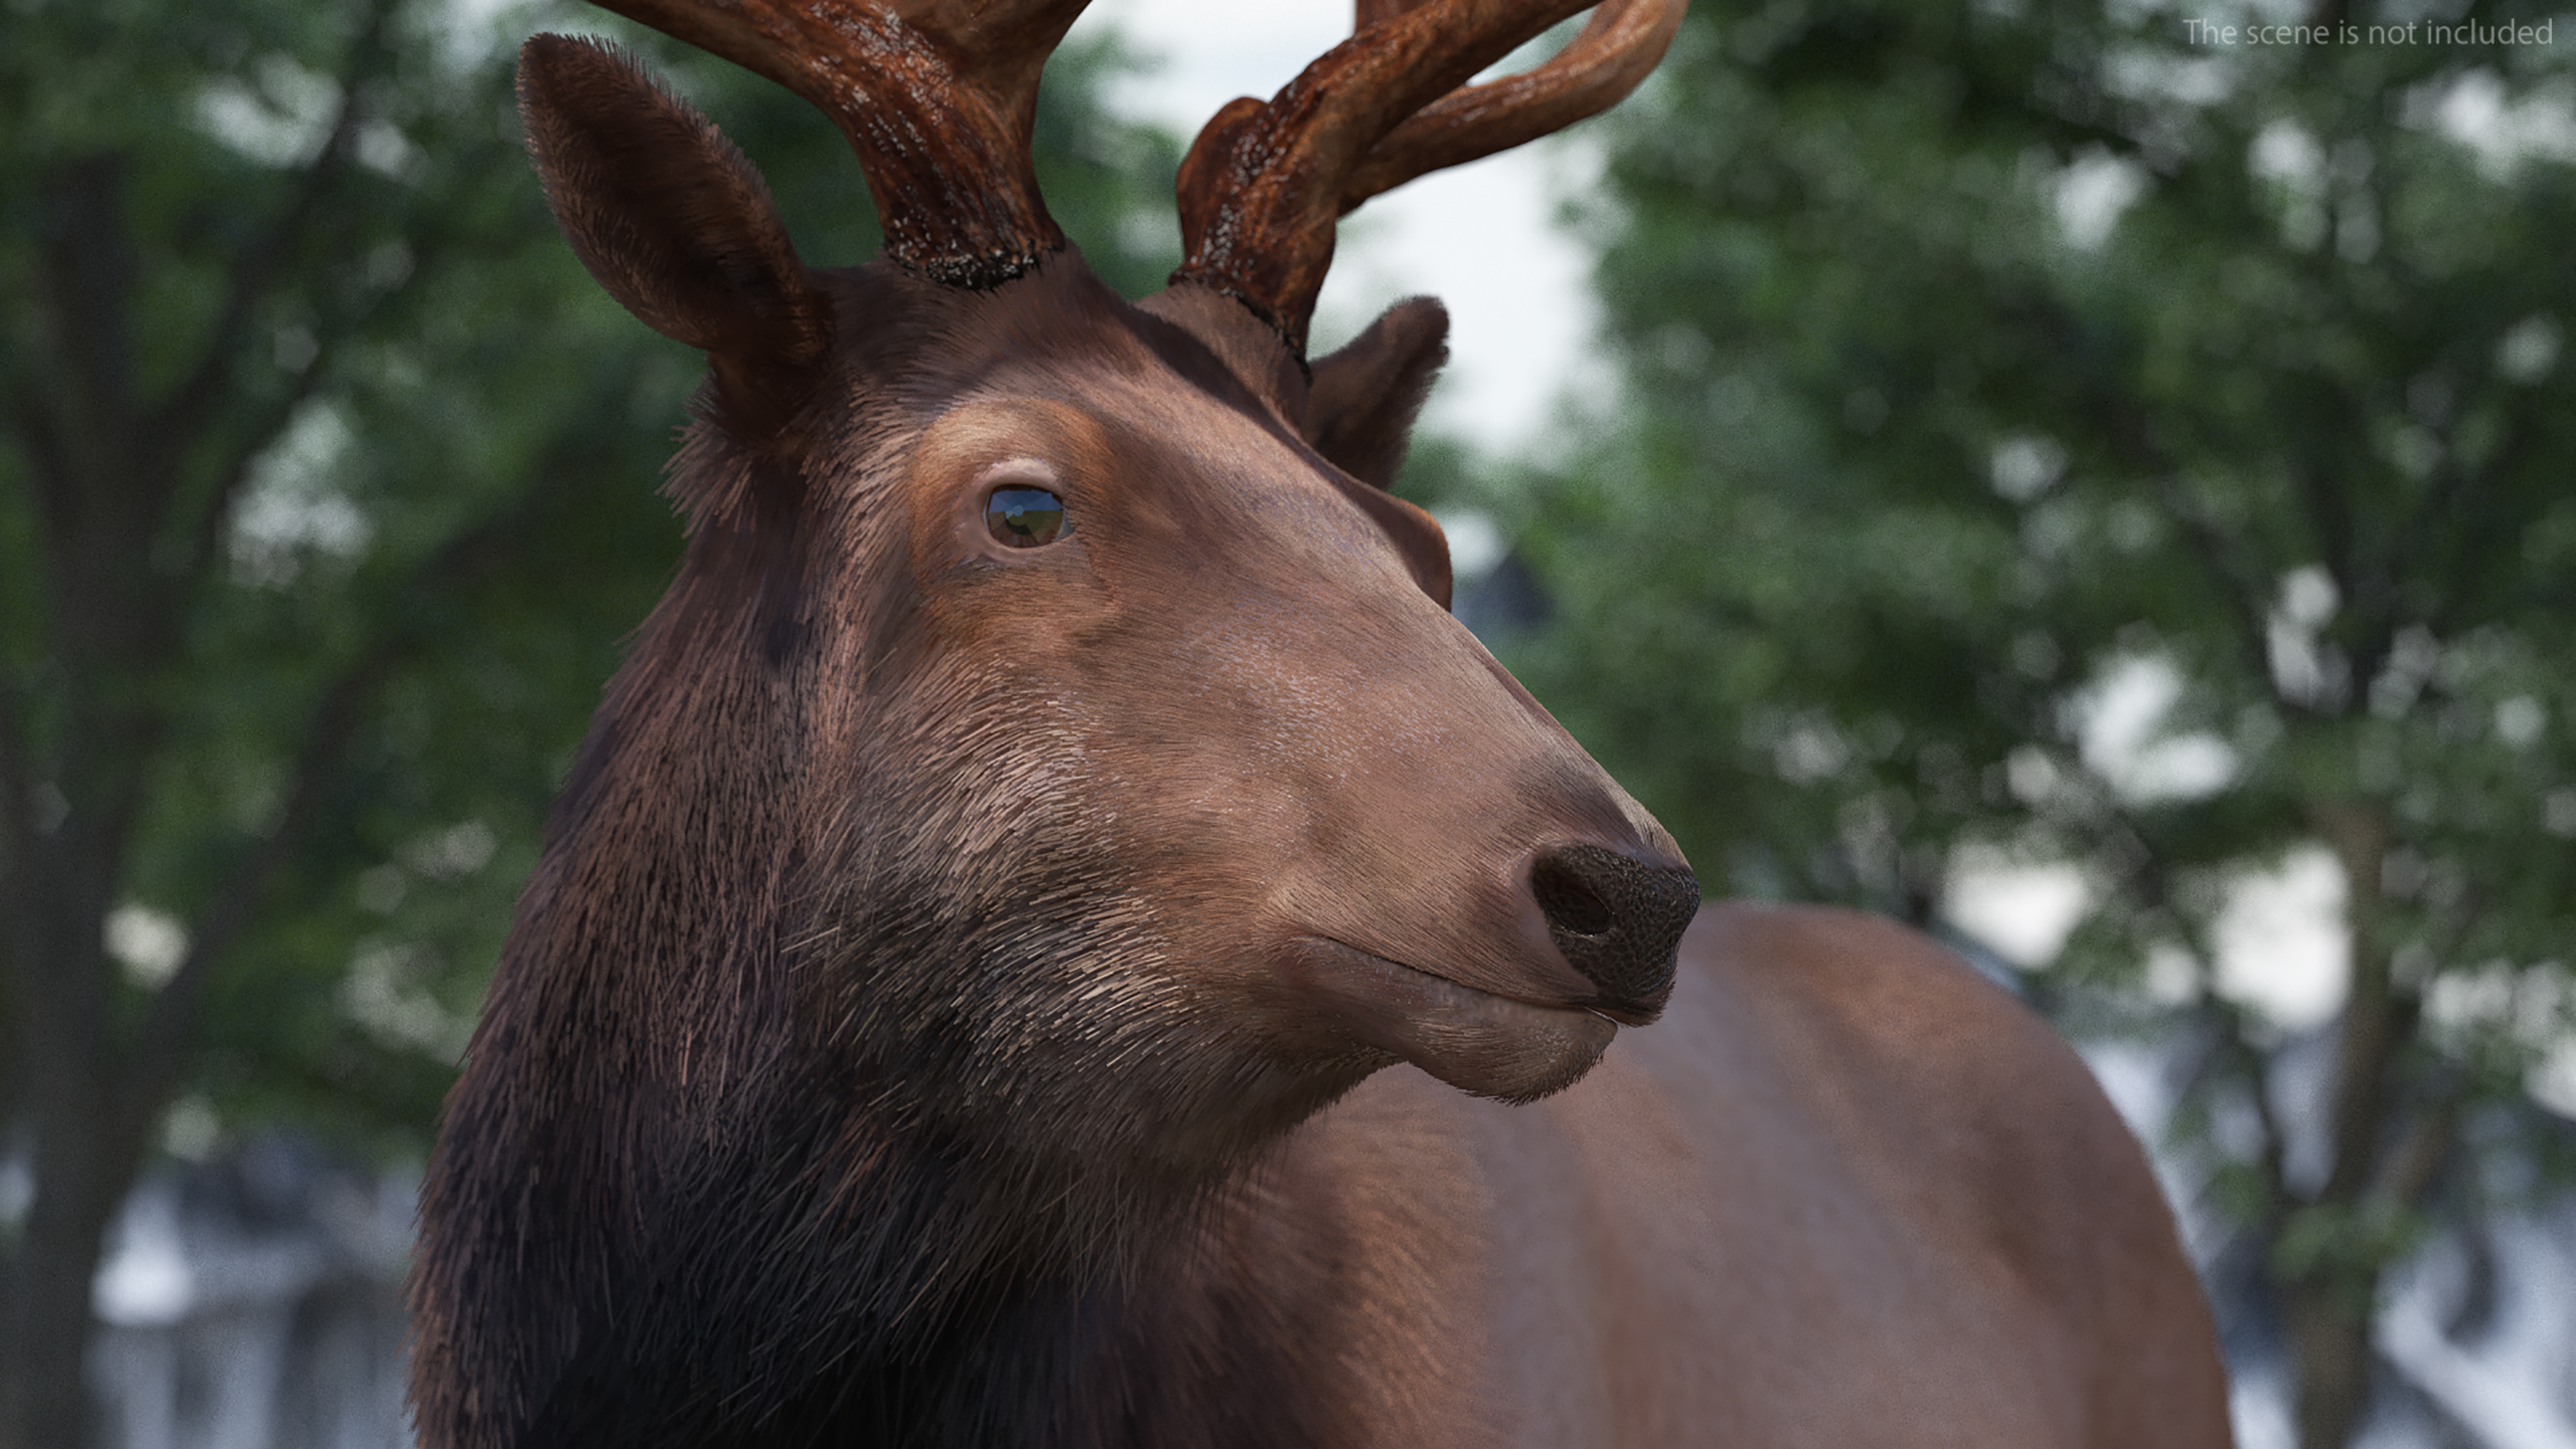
1056	936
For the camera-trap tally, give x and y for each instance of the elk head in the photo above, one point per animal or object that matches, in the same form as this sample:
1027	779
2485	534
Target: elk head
1055	761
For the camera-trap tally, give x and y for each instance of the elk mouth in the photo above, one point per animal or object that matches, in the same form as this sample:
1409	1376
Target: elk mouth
1476	1041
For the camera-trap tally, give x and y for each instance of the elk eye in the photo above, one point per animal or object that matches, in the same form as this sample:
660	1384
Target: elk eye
1024	517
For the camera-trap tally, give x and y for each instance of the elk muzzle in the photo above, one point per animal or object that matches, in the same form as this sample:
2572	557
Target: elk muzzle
1617	920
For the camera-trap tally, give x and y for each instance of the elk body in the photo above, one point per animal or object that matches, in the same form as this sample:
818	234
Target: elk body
1056	937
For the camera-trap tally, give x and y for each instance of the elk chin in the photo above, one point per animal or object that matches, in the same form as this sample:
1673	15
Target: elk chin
1482	1044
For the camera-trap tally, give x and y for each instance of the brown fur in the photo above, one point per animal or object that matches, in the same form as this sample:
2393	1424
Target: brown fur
956	1002
1360	412
1844	1193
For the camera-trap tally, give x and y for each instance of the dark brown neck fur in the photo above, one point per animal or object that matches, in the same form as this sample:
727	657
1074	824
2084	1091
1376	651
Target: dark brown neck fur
1196	1350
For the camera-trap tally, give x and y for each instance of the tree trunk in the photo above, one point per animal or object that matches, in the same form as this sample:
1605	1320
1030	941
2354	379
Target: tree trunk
2328	1317
49	1323
129	494
84	1150
110	624
2330	1299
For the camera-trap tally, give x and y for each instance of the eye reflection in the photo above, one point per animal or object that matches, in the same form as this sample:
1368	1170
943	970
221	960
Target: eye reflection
1024	517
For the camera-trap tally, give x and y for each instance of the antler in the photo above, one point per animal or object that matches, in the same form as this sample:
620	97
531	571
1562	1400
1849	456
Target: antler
1264	183
938	97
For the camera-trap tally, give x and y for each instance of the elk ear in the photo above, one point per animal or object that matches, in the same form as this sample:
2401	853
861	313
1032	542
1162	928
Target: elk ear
666	213
1360	412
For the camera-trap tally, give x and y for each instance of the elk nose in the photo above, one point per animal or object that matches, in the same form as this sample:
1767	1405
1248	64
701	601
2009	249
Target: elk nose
1616	919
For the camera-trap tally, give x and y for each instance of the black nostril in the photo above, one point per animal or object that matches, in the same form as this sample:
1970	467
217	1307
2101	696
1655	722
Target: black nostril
1570	904
1616	919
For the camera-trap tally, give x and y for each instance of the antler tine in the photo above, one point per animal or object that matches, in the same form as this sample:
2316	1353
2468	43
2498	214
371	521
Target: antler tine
1619	47
1264	183
938	97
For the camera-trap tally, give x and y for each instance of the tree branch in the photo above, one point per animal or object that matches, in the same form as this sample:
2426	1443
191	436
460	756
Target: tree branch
2233	1050
233	473
207	384
2272	1149
206	533
2245	596
2480	531
2126	426
2330	524
161	1046
2374	1021
2413	1164
41	439
17	785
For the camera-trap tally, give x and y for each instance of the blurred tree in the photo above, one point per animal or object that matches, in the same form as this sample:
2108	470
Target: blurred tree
325	493
2071	436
